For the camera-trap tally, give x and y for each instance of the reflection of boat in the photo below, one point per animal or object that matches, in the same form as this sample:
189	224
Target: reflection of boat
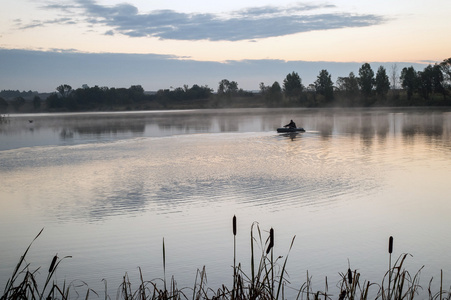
286	129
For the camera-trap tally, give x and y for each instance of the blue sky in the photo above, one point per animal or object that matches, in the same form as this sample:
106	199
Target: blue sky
160	44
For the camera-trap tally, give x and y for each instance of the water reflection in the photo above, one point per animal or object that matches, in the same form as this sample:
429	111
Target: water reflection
326	122
291	135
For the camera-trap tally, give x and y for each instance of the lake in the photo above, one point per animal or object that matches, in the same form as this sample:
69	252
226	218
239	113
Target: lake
108	188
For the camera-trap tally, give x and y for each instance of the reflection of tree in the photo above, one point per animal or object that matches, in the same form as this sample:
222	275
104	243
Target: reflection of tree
325	125
377	123
367	133
383	127
66	134
110	127
228	125
100	126
184	122
427	125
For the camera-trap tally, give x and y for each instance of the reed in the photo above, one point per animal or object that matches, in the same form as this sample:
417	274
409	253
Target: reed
390	251
266	280
234	256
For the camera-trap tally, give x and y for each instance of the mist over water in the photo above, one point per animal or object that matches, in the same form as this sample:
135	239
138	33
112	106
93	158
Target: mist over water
109	187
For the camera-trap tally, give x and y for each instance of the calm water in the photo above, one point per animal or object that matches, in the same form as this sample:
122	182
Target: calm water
107	188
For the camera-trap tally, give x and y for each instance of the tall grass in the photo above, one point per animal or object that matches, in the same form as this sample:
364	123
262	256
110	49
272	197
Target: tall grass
266	279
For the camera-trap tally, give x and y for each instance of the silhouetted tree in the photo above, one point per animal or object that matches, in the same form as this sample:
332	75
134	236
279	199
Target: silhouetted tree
431	81
409	81
275	92
366	79
227	87
438	79
36	102
348	84
263	88
350	88
18	102
324	85
394	77
382	82
64	90
54	102
3	105
292	85
445	66
426	84
197	92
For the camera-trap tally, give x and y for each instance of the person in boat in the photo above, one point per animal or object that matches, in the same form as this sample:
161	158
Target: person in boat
291	124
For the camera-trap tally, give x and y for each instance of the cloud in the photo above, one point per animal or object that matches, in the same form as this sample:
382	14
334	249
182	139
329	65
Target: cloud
23	70
38	23
246	24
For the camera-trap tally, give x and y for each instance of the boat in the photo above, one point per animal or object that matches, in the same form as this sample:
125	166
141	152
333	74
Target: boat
287	129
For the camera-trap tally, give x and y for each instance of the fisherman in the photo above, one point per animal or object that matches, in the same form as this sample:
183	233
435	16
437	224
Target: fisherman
291	124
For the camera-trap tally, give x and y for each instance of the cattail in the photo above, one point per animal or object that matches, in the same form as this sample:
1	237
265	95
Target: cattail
271	237
234	225
52	265
349	276
390	245
271	240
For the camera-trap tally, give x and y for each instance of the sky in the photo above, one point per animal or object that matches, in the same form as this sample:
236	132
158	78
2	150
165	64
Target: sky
170	43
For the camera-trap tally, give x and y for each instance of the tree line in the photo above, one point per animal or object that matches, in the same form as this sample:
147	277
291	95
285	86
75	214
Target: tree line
430	87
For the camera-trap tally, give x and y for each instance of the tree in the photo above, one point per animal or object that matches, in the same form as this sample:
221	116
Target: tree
445	66
425	85
349	86
3	105
136	92
137	89
366	79
438	80
227	87
223	84
36	102
292	85
382	82
394	76
431	81
64	90
275	92
409	81
233	87
53	101
324	85
18	102
263	88
198	92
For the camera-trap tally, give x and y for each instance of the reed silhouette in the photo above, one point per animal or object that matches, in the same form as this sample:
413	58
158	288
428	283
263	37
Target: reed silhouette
266	279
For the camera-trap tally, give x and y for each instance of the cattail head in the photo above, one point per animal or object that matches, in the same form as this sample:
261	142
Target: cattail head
271	240
390	245
349	276
271	237
234	225
52	265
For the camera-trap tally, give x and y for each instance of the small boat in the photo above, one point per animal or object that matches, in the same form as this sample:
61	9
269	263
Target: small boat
287	129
